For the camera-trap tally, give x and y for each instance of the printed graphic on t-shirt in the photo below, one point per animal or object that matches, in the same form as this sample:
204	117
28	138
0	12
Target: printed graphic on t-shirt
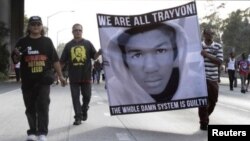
244	66
78	55
36	62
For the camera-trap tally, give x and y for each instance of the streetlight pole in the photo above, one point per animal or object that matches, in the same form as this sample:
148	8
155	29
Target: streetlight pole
48	17
57	41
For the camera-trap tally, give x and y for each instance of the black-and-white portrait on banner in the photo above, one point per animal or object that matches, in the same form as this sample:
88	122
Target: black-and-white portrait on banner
152	61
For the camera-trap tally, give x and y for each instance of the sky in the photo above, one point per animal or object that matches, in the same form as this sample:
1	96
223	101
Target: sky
60	15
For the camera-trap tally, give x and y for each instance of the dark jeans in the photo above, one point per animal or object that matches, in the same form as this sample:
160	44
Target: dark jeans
93	77
204	112
17	71
85	90
36	99
98	73
231	74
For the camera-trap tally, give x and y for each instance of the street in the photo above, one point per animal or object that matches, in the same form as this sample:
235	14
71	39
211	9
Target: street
180	125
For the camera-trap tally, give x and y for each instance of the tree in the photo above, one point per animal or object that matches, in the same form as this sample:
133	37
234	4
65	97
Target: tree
26	20
214	22
4	53
236	33
233	32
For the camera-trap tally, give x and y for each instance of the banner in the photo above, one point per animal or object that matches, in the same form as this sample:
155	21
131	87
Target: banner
152	61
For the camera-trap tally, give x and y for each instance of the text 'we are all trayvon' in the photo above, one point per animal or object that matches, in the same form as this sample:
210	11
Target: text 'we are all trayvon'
149	18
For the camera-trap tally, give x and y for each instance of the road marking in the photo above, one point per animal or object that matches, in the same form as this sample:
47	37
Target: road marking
95	96
12	91
107	114
233	107
100	103
122	136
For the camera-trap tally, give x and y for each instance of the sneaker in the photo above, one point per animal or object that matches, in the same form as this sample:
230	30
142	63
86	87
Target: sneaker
31	137
42	138
77	122
203	127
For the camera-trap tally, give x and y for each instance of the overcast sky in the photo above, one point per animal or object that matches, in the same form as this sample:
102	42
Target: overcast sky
58	13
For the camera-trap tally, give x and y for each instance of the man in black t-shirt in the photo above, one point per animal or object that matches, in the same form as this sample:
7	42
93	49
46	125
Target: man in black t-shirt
37	56
78	54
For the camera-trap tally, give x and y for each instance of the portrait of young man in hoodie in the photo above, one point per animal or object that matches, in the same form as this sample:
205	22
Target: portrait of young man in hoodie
148	65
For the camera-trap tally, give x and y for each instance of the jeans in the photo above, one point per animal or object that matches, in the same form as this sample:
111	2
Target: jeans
17	72
98	73
231	74
36	99
85	90
205	112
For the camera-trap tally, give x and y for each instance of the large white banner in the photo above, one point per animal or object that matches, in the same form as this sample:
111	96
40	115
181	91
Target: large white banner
152	61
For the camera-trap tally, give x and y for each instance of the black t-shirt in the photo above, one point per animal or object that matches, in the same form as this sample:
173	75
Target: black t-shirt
37	56
78	55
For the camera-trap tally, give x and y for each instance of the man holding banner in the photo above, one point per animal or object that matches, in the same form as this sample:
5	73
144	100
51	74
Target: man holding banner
213	56
150	62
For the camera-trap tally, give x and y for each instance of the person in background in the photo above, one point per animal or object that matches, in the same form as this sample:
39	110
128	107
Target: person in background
93	75
37	58
65	72
243	68
248	76
98	68
230	68
16	61
78	54
17	71
213	57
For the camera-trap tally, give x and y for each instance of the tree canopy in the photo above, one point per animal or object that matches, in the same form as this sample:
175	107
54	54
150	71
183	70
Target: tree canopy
233	32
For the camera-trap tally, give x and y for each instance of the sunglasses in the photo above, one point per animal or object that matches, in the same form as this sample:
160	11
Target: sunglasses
77	30
35	24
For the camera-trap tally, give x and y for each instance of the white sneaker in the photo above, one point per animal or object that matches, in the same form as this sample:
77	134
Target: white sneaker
42	138
31	137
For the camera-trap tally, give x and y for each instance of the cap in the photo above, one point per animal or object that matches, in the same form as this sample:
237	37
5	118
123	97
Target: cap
35	19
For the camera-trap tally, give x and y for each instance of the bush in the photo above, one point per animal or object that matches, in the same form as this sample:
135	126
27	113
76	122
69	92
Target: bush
3	76
4	57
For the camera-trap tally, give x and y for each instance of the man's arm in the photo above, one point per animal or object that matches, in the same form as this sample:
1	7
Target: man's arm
97	54
59	73
212	58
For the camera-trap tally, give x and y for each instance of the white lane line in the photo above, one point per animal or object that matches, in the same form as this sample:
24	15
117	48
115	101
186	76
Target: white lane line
107	114
122	136
233	107
100	103
13	91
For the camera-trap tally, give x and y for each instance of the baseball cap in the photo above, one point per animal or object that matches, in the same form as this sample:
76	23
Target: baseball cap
35	19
